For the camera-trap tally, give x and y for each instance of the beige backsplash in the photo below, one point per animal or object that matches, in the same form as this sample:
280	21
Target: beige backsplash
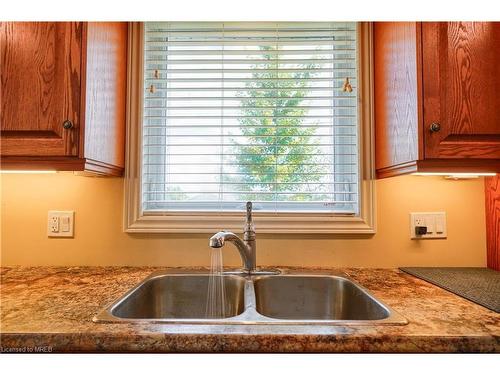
99	239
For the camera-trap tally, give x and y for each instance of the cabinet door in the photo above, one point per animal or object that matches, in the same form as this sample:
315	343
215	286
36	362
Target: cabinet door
40	88
461	88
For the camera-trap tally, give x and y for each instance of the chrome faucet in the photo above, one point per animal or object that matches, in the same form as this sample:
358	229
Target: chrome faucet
246	247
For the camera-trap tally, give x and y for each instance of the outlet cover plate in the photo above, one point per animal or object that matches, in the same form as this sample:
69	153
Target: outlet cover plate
434	221
60	224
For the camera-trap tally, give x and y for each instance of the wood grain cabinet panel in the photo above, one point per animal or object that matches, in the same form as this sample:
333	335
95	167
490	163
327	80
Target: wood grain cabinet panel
461	68
436	101
104	113
40	87
492	189
54	72
396	87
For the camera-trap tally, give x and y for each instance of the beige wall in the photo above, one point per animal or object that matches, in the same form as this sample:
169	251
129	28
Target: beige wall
99	239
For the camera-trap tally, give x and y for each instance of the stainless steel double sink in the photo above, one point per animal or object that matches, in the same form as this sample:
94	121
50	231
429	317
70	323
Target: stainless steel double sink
287	298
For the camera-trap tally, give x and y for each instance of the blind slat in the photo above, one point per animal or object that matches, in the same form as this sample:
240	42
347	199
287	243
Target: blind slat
263	43
173	62
236	52
192	127
247	174
248	89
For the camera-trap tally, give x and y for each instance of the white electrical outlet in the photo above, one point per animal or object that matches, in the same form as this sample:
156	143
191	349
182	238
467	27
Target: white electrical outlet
60	223
433	222
53	224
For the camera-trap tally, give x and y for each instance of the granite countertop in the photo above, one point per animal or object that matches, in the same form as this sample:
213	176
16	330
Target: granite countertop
50	309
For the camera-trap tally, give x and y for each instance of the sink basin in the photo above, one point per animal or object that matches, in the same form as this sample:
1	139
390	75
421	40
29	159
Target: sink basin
180	296
315	298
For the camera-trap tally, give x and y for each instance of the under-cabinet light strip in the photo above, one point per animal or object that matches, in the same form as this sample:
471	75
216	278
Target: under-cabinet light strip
454	175
26	172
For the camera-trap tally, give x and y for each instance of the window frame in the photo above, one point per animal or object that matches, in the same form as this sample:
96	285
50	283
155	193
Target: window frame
137	221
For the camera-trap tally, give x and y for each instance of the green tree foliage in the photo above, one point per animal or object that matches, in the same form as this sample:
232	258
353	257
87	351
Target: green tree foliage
281	149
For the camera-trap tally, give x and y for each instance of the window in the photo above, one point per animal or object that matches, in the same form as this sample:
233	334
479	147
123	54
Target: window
231	112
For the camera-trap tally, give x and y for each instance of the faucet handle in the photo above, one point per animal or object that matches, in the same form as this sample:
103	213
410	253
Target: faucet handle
249	212
249	230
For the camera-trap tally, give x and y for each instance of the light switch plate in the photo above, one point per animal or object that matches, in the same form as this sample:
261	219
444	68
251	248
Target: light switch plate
434	221
60	223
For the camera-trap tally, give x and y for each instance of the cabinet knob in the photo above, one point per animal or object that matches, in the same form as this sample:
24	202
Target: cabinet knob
435	127
68	124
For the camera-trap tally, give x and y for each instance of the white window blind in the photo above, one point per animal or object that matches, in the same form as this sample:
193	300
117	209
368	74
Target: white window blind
250	111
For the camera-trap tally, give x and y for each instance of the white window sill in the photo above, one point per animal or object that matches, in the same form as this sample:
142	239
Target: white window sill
274	223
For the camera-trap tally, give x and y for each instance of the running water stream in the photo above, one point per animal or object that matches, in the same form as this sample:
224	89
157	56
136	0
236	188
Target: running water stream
216	295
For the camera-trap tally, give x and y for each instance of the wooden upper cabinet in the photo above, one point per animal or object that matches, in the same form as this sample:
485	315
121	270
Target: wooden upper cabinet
40	87
436	97
461	70
63	91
